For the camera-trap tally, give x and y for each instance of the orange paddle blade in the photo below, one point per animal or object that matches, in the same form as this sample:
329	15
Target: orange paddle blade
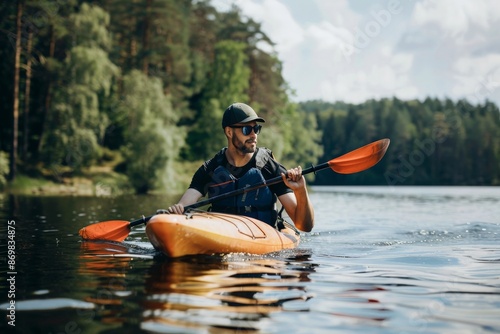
116	230
361	158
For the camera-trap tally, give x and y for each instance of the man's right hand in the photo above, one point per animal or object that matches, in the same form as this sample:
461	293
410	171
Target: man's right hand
191	196
176	208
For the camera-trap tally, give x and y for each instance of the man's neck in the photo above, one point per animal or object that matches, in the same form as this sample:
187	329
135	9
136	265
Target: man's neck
238	158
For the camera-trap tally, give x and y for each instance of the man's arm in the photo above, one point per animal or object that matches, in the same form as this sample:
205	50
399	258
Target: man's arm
297	204
191	196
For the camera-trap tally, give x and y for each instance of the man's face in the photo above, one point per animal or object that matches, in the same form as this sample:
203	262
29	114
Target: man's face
245	143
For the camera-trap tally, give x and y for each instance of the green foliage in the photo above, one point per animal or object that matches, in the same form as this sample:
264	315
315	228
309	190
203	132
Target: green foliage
90	67
227	84
152	139
268	88
89	27
230	74
75	124
207	137
294	138
305	139
432	142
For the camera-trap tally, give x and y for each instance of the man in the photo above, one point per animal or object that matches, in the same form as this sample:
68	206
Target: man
241	164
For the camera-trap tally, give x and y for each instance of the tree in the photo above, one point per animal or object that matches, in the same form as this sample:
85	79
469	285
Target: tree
152	139
153	36
27	92
75	126
300	131
15	107
228	83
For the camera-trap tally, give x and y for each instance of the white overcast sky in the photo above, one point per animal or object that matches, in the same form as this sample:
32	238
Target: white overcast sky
354	50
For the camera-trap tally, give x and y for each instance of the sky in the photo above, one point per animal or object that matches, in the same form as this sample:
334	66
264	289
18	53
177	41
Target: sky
355	50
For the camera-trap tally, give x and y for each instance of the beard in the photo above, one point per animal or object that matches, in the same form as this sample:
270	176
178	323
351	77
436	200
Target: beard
248	146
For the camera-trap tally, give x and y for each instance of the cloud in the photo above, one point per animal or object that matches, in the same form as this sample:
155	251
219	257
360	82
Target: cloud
276	21
338	13
341	60
326	35
342	50
477	78
456	17
464	36
385	77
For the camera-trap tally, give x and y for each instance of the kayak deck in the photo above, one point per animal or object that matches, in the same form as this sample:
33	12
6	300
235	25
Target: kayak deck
197	233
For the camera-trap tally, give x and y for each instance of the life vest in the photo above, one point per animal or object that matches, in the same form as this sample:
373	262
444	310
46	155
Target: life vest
258	203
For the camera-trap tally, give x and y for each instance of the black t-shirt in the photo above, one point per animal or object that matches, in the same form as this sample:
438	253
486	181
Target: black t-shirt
202	178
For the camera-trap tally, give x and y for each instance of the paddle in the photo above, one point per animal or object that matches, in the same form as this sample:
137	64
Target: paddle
349	163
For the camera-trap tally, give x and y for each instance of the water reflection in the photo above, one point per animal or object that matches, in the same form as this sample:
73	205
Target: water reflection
195	293
104	267
216	293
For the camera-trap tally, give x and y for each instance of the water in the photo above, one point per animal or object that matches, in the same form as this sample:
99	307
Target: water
379	260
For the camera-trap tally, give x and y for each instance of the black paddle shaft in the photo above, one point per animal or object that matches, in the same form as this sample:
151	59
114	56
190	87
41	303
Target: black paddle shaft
236	192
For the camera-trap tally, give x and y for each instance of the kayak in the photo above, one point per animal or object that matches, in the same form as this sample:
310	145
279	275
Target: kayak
197	233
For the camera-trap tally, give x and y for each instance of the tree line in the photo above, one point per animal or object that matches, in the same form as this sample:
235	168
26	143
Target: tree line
141	85
433	142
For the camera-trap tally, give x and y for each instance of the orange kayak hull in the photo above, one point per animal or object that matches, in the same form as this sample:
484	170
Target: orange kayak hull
216	233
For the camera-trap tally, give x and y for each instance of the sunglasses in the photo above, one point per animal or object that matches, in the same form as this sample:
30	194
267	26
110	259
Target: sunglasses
247	129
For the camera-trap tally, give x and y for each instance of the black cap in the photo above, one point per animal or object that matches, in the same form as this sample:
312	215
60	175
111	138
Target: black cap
239	113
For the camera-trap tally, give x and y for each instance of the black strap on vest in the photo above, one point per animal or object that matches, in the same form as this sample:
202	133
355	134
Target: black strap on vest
261	158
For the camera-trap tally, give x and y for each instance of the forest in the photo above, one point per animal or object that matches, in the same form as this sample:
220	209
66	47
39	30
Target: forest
131	93
433	142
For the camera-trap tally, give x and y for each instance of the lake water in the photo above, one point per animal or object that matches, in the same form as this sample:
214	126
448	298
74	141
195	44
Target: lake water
379	260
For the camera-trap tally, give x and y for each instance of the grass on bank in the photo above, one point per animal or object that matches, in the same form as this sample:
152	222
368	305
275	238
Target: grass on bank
93	181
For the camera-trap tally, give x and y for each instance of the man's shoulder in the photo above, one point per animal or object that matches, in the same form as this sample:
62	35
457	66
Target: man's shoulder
216	160
266	151
268	163
263	157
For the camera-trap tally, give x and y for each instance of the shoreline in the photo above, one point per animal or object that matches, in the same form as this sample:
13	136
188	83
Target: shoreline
103	185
